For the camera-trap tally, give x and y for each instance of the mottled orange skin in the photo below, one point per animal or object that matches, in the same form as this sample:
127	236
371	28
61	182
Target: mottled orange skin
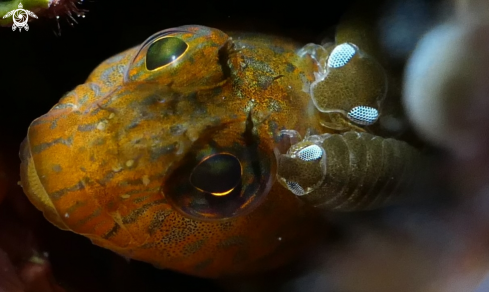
97	162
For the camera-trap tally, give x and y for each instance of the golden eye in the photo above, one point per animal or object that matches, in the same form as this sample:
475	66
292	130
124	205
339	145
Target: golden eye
164	51
225	174
186	58
217	174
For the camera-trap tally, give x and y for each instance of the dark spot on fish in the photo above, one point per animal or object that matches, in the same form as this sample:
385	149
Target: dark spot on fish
157	221
277	49
277	77
150	245
157	152
200	107
107	178
54	124
193	247
177	130
58	194
85	220
86	127
216	91
179	231
149	100
99	142
113	231
264	82
57	168
289	68
225	226
135	214
223	58
133	124
140	199
43	146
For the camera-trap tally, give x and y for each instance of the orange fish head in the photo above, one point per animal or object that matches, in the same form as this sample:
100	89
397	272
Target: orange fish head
159	161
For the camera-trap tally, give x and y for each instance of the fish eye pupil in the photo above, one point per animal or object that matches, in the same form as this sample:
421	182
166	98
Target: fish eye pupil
220	176
217	174
164	51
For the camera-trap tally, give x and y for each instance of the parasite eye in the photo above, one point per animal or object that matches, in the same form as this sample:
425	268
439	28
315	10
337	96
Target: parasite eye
217	174
340	55
164	51
295	188
352	86
303	168
313	152
363	115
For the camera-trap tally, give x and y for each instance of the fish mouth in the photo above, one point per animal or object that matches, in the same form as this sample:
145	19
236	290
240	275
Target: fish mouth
33	188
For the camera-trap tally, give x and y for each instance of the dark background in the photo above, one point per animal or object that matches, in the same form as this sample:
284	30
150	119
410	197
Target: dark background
39	66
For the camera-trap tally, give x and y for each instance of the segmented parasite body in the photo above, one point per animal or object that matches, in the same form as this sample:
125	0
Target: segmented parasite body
167	154
348	172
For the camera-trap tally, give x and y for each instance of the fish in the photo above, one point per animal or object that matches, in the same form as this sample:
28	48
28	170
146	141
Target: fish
169	152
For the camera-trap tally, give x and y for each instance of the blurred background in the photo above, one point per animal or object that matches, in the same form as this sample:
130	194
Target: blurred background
439	244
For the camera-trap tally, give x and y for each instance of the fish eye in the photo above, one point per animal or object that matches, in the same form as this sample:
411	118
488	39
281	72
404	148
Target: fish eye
217	174
164	51
184	59
222	176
